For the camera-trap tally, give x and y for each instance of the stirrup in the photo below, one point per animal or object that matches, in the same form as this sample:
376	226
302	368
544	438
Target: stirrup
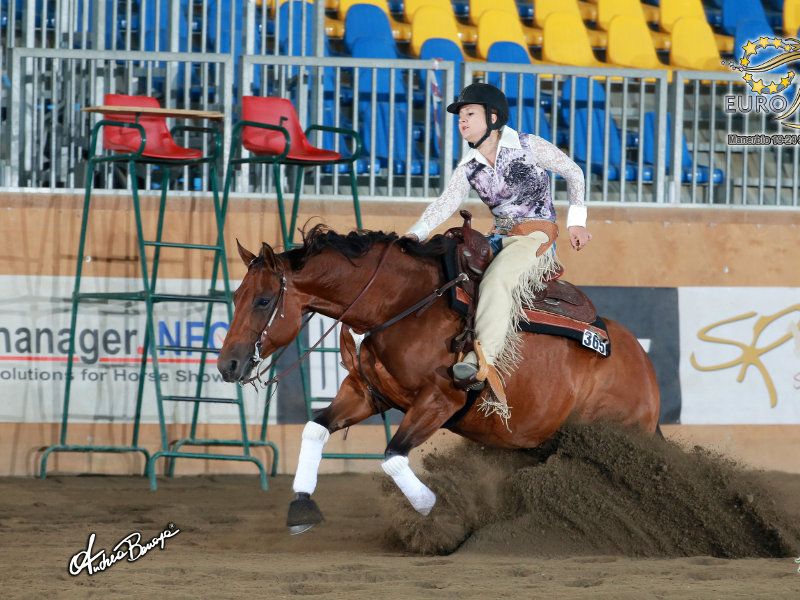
465	376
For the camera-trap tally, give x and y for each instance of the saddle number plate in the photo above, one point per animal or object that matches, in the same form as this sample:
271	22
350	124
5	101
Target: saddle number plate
594	342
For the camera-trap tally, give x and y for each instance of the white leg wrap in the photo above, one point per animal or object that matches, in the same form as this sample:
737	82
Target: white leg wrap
420	496
314	438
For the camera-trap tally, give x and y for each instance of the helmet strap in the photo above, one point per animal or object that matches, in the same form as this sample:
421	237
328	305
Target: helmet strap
489	129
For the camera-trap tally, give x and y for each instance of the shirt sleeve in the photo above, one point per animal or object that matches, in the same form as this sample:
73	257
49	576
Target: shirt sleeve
444	206
549	157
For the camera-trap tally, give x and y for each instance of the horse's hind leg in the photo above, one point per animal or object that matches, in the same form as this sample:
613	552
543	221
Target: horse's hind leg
426	415
350	406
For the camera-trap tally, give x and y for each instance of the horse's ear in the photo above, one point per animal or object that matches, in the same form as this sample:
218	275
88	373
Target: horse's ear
247	256
268	254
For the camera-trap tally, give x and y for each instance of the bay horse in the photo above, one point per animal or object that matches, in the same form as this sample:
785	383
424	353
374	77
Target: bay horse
366	278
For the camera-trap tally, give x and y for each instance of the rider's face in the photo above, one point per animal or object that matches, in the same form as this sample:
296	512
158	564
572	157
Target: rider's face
472	122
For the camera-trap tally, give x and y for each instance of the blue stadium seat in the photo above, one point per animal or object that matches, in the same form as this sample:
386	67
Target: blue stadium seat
734	11
618	165
442	49
368	47
366	20
509	52
702	172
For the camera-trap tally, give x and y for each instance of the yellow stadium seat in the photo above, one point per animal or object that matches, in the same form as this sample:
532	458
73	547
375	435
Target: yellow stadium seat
791	17
544	8
694	46
630	44
498	26
433	22
566	41
478	7
608	9
672	10
410	7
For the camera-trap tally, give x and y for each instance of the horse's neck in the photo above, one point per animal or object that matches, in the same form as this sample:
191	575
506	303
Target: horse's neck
333	283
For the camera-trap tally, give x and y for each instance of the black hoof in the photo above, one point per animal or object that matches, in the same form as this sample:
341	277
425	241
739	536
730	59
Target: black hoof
303	514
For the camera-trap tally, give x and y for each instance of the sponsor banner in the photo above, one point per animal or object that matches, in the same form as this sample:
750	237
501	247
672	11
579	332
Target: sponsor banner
740	355
722	355
34	343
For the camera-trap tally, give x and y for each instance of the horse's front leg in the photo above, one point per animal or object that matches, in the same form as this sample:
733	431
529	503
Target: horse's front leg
429	411
351	405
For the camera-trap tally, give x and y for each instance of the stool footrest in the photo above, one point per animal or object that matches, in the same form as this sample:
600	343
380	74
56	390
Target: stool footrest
139	295
220	297
188	349
201	399
181	245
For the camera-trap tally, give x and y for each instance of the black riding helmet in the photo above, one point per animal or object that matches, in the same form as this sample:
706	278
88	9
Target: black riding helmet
491	98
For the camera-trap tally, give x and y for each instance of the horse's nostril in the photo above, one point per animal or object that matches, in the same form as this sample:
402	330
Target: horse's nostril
232	366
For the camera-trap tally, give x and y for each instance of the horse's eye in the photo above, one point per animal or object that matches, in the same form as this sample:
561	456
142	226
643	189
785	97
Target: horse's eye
262	302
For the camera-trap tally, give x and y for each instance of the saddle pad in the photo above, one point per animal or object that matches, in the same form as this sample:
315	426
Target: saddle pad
592	336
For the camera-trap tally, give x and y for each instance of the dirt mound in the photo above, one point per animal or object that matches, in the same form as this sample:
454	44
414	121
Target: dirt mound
594	489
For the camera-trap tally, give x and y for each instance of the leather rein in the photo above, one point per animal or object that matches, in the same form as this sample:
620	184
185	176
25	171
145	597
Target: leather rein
277	308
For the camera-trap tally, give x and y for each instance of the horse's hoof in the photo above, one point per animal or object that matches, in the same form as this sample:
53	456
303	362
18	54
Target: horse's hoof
303	514
298	529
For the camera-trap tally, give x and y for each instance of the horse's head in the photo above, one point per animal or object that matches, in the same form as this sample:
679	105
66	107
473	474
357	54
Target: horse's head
265	316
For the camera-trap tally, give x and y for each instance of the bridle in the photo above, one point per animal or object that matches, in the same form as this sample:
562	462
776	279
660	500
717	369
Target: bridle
279	301
418	307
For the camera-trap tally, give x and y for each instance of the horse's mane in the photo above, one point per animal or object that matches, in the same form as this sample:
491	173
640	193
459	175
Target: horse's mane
357	243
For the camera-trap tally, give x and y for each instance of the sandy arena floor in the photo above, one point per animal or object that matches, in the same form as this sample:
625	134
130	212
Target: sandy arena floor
233	543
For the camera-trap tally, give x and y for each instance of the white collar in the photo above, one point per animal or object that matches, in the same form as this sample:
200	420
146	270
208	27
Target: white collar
509	138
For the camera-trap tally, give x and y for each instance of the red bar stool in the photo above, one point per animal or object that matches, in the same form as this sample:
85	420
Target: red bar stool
271	131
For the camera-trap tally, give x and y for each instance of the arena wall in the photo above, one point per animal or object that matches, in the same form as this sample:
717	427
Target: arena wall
633	246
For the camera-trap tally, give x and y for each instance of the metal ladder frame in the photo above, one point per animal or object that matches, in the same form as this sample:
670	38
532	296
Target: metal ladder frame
151	297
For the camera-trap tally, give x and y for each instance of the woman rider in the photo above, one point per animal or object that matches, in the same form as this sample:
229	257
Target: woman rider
508	170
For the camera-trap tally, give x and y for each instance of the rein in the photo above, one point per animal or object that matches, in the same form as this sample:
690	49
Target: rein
419	307
279	300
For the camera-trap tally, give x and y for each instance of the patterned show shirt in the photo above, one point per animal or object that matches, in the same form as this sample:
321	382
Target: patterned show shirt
517	187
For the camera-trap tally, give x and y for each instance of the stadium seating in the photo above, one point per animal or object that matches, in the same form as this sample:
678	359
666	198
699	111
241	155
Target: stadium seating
674	10
630	44
608	9
701	173
367	47
434	23
566	42
734	11
366	20
544	8
791	18
498	26
694	47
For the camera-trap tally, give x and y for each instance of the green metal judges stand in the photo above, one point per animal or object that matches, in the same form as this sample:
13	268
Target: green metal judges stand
271	131
135	132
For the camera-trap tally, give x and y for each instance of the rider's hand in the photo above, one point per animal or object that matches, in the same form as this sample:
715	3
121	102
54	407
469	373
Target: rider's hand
410	236
579	237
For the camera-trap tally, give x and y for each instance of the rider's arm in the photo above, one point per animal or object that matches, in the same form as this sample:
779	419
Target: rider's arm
552	159
445	205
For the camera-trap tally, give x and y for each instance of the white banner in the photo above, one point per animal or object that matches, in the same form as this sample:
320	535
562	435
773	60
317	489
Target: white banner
34	342
740	355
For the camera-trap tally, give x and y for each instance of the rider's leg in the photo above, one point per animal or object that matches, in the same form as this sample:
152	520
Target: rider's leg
514	270
421	421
